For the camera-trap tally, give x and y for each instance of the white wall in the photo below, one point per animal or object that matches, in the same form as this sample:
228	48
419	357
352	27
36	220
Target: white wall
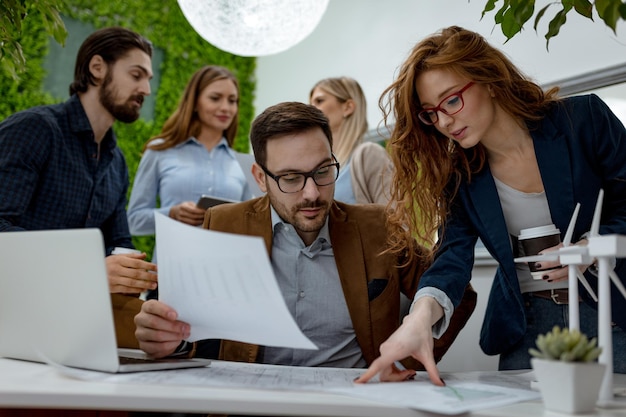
465	354
369	39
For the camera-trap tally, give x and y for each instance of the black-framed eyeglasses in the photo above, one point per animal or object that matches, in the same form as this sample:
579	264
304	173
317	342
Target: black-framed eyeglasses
294	182
450	105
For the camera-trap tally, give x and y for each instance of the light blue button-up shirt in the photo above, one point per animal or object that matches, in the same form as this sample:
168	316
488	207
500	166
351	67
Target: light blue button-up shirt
343	187
183	173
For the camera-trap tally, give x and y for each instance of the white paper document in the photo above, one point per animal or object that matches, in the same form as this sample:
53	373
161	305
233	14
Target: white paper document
223	285
234	375
464	392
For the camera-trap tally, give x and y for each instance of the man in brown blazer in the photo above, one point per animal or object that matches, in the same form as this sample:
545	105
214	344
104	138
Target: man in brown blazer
342	289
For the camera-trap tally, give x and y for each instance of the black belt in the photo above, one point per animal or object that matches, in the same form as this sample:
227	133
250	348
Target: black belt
559	296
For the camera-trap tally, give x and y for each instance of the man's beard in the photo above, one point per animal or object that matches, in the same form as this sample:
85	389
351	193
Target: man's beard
125	112
290	214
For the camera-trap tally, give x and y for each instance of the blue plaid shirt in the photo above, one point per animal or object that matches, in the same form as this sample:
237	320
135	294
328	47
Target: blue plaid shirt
53	176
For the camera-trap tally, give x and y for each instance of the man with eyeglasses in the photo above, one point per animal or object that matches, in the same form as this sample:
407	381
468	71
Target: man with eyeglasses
342	290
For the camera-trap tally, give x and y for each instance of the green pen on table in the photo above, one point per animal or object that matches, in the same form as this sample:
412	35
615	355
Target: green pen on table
454	390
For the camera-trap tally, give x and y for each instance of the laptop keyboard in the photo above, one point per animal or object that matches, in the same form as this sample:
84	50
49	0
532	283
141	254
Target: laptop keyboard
125	360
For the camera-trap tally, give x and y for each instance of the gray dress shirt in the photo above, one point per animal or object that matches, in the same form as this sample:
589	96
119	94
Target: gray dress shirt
310	284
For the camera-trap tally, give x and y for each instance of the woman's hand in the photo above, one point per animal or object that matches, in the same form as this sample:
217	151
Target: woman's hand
412	339
560	272
188	213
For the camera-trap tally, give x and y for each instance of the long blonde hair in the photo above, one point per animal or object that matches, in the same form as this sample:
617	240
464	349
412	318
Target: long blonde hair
184	122
354	125
429	166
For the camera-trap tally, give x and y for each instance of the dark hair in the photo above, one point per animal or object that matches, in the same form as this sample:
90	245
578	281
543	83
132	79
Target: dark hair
284	119
111	44
184	121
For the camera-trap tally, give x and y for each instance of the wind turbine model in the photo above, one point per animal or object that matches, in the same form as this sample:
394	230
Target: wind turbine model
604	248
572	256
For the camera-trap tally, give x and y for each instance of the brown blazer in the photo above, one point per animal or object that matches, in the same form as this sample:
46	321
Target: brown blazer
358	235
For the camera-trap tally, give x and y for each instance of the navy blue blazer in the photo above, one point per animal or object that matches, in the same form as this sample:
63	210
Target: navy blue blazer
580	147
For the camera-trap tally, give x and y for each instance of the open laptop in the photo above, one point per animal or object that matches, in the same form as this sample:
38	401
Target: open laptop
55	305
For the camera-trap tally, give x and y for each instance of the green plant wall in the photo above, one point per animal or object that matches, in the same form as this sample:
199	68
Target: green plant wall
184	52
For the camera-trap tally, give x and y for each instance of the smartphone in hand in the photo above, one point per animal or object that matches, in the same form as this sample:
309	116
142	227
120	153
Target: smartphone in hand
207	201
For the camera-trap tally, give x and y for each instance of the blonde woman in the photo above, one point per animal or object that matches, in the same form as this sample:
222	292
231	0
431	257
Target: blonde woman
366	169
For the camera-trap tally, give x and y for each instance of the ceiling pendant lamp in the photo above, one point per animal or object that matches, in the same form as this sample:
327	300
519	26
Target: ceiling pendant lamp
253	27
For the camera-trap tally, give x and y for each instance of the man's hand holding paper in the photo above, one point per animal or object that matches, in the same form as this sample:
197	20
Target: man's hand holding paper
214	285
158	329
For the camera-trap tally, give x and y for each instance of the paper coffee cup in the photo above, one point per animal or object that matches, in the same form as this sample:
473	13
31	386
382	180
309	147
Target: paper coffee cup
536	239
121	251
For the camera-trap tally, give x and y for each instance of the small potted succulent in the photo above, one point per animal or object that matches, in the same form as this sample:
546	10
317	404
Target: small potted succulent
566	368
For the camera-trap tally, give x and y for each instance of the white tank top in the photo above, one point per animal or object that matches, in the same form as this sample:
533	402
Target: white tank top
521	211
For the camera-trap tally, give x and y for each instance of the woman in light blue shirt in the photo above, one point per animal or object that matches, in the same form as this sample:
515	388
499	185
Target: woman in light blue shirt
191	156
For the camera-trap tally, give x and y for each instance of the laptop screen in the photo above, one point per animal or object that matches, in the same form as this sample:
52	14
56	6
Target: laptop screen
54	299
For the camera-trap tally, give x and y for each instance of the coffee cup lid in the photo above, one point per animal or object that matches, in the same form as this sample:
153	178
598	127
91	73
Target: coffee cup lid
539	231
120	251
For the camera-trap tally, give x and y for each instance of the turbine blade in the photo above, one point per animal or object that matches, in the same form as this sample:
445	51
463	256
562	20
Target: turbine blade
570	227
617	283
595	223
583	281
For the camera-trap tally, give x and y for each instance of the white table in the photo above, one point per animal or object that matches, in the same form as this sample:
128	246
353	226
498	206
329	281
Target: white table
32	385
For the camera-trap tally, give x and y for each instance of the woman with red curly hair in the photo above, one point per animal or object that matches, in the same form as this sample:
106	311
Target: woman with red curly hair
481	151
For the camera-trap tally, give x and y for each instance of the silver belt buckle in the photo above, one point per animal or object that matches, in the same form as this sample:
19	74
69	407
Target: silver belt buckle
555	297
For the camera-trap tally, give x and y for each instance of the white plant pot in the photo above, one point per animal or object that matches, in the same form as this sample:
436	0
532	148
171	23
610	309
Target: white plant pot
568	387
